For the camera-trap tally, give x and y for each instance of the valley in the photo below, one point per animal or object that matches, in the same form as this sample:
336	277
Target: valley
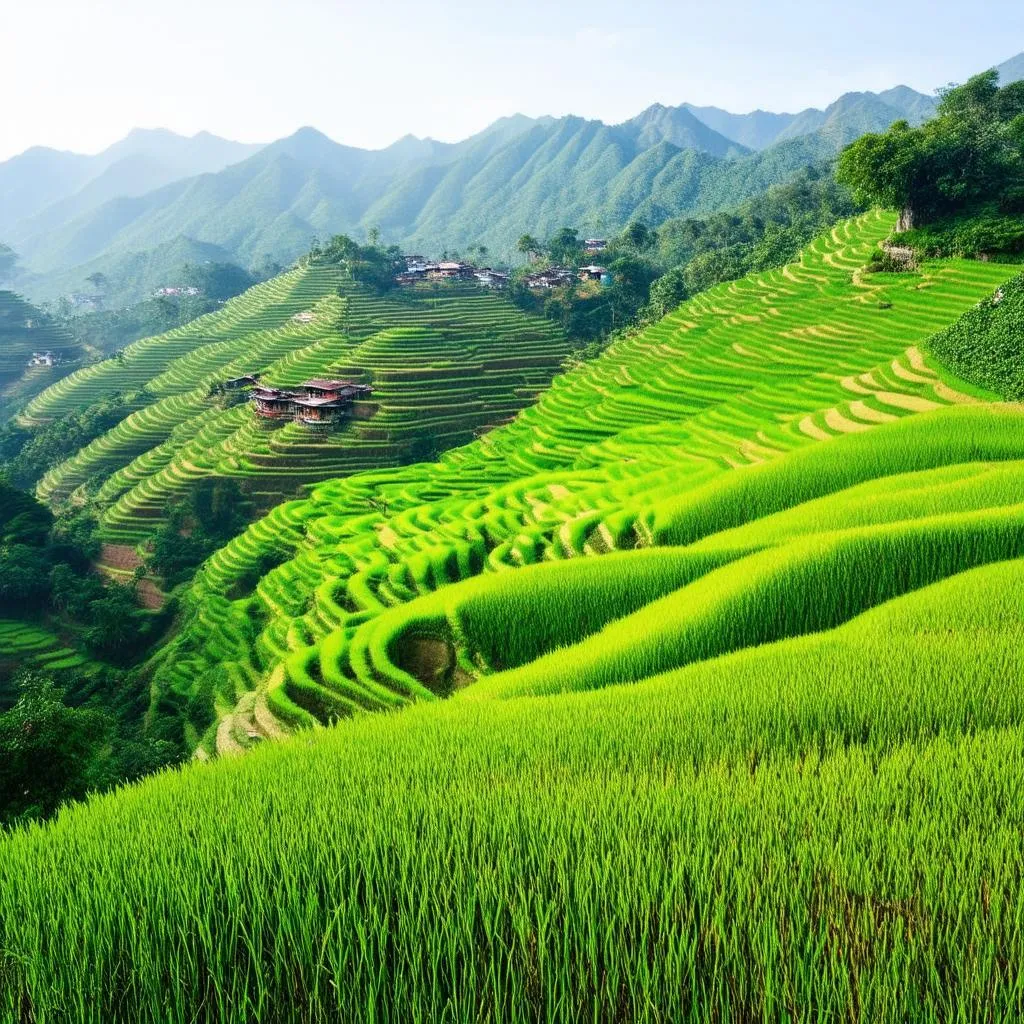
590	590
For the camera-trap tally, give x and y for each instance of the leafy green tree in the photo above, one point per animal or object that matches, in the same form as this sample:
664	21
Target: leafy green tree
972	151
530	247
49	752
217	281
639	236
565	246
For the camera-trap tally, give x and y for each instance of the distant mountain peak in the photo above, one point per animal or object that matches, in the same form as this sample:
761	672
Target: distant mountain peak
1011	70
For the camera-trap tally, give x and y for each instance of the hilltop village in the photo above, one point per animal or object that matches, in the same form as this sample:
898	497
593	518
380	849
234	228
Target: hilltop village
418	269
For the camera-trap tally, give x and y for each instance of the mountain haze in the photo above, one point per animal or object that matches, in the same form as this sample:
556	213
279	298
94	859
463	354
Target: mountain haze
520	174
1011	70
43	188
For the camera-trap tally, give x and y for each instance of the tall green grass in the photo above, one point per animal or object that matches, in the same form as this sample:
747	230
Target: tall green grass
825	829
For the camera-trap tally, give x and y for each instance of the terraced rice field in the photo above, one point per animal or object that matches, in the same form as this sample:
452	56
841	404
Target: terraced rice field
24	330
26	646
732	621
661	442
443	367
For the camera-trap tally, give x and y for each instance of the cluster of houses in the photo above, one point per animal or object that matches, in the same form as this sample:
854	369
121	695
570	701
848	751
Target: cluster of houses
560	277
315	403
43	358
170	291
418	269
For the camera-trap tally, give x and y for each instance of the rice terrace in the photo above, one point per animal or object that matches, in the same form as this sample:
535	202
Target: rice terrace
571	574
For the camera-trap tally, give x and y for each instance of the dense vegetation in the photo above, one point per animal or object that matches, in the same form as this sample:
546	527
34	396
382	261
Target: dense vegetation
71	713
968	158
759	542
986	345
27	454
652	271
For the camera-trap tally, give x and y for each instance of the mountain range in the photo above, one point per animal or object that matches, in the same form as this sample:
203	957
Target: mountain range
69	215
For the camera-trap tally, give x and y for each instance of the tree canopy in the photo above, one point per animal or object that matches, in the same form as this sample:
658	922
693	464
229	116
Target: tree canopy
972	151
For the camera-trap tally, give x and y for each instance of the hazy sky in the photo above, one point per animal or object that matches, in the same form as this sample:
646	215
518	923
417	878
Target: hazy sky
78	74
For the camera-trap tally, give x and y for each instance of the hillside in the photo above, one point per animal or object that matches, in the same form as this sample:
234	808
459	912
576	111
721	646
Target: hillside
736	376
131	276
520	173
851	115
44	188
758	569
24	329
444	364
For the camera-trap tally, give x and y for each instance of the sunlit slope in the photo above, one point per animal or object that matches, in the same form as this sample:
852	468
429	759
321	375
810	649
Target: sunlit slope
607	459
827	828
443	367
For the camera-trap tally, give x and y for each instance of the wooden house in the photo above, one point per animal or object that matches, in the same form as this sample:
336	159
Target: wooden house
273	403
317	403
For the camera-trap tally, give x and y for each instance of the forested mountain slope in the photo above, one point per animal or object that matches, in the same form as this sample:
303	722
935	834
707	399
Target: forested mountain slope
520	174
44	188
758	570
850	115
616	455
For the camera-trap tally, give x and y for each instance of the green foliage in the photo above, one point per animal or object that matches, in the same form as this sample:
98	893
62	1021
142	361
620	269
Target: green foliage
982	231
986	345
212	514
52	751
49	752
372	265
971	152
217	281
33	454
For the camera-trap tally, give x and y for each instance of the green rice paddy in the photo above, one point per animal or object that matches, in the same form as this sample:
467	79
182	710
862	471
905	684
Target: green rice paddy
729	625
443	366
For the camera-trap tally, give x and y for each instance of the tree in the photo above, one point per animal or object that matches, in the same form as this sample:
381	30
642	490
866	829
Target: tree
565	246
639	236
530	247
972	151
49	752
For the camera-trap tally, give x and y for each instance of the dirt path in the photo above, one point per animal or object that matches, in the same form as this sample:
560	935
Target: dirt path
119	561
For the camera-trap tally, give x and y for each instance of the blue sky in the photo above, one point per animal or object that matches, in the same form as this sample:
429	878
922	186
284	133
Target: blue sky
78	74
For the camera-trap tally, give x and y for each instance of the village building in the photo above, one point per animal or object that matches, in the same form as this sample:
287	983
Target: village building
592	272
592	246
316	403
491	278
449	270
553	277
248	380
43	359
